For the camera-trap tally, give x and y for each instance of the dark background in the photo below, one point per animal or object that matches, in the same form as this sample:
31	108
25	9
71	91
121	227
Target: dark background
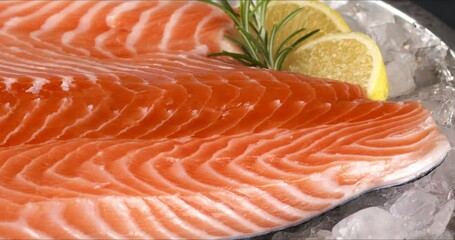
442	9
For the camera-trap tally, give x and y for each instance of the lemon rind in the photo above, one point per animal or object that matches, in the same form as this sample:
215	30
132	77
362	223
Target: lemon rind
336	18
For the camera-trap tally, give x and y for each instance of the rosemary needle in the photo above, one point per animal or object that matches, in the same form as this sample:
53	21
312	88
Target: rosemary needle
256	42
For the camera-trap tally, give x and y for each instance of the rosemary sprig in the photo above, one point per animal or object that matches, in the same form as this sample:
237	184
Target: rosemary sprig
255	41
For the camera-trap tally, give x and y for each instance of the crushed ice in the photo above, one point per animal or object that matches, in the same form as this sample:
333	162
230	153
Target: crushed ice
419	67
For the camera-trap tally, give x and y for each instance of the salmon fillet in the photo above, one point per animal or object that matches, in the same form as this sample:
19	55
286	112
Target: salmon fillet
115	124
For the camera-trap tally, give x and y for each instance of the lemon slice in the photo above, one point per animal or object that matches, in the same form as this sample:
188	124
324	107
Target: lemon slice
316	15
349	57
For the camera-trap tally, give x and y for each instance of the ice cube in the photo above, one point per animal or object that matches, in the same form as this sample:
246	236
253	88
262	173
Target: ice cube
406	58
430	57
422	213
446	113
375	18
377	198
419	36
370	223
365	13
351	9
448	92
425	76
401	80
414	206
429	69
449	132
350	13
389	34
441	219
446	74
320	234
425	184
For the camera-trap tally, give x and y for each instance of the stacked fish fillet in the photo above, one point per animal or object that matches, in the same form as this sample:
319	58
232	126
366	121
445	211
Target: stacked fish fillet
115	124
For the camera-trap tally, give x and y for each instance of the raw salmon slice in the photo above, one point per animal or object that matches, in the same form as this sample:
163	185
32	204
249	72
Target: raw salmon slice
114	124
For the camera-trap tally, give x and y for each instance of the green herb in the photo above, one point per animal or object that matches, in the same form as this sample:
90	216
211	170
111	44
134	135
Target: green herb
255	41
